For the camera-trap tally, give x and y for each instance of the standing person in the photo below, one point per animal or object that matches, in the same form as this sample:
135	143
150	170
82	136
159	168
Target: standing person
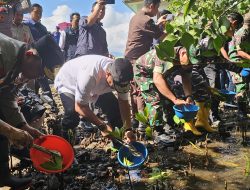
142	31
92	36
69	37
38	30
57	34
92	40
82	80
20	31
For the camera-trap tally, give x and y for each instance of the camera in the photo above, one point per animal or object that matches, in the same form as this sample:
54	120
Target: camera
32	108
110	1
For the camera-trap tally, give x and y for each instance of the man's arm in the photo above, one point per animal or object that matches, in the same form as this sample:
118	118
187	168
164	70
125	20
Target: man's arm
243	54
17	136
93	17
125	112
86	112
163	88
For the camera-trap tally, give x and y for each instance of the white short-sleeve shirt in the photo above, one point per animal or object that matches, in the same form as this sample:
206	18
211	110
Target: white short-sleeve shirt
85	78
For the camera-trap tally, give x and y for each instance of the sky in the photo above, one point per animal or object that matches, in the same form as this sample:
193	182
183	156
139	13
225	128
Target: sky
115	22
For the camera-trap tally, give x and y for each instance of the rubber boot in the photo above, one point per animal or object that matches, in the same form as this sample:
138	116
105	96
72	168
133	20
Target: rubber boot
189	126
6	179
202	117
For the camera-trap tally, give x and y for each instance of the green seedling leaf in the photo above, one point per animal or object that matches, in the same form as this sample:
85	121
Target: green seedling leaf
55	164
118	133
113	149
154	119
224	24
149	132
188	6
141	118
127	162
176	119
158	174
146	112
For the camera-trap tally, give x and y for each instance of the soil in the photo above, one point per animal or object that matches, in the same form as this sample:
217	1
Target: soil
214	161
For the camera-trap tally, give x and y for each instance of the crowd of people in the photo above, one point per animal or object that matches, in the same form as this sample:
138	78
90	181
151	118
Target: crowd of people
89	75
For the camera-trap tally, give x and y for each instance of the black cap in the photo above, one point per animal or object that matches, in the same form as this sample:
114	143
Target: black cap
49	51
121	71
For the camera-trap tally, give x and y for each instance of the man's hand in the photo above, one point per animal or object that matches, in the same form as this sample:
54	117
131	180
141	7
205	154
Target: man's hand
162	20
189	100
20	100
179	102
130	136
32	131
21	137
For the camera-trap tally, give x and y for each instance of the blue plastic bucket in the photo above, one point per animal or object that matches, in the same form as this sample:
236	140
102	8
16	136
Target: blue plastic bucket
186	112
135	161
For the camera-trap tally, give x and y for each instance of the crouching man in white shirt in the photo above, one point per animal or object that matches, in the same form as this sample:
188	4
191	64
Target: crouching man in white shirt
91	79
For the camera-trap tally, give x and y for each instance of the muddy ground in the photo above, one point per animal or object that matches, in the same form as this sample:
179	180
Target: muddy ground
217	161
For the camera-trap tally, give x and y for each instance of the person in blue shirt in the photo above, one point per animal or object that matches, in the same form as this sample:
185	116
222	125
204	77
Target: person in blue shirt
57	34
37	29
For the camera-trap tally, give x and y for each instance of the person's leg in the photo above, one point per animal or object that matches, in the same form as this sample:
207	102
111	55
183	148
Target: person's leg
109	106
71	118
211	73
44	84
6	179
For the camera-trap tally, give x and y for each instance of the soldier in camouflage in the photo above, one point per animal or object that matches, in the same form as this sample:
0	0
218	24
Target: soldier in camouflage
152	75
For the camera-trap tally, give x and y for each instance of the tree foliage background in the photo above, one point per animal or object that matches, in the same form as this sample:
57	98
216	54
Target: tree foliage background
197	19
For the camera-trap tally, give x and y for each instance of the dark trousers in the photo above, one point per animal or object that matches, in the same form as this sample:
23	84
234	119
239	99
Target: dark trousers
4	146
213	76
108	104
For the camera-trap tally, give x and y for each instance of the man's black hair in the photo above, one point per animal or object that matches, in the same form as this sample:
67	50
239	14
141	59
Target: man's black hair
164	12
71	16
36	5
236	16
154	2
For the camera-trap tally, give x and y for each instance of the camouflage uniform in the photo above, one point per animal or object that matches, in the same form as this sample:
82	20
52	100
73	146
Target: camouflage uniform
240	37
144	68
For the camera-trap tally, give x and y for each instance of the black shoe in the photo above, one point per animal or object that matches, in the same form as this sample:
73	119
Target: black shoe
6	179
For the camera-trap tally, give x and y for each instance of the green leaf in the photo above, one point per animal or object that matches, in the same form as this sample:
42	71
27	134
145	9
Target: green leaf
169	28
188	6
243	63
187	40
160	53
168	47
224	24
55	164
154	119
141	118
146	112
149	132
127	162
176	119
218	43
